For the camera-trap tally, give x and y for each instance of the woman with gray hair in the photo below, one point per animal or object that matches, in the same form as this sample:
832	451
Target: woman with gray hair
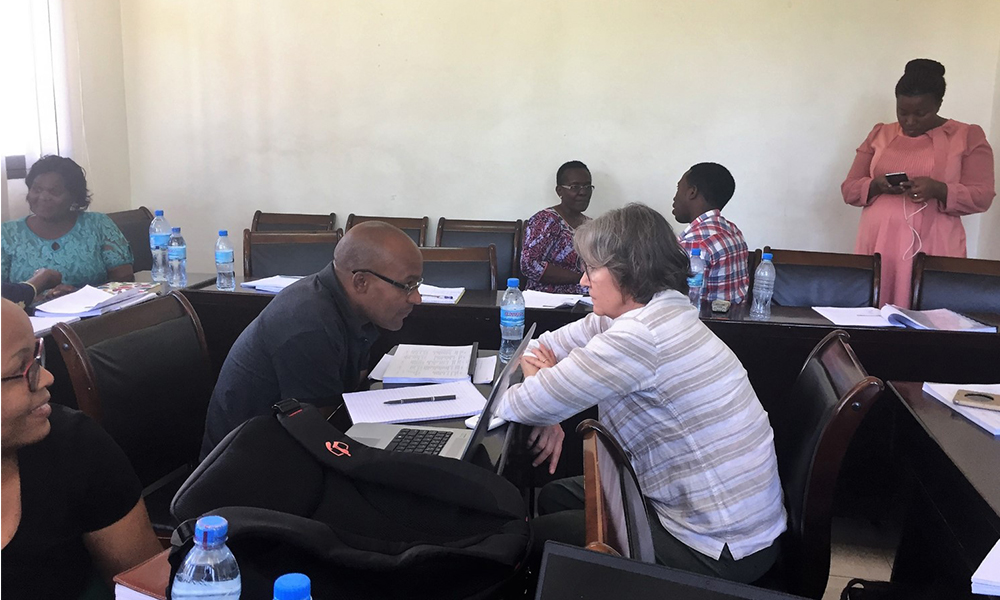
674	395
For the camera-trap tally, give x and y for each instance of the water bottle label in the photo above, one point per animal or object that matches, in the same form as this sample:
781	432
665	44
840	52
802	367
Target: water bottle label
696	281
223	256
176	252
511	316
158	240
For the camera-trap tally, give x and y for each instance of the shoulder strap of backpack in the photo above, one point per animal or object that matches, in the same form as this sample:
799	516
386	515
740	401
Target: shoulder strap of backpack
324	441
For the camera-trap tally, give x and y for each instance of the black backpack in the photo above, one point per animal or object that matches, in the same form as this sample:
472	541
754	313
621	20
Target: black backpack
300	496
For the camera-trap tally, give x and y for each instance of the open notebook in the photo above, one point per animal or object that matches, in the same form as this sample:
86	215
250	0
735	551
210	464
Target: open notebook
940	319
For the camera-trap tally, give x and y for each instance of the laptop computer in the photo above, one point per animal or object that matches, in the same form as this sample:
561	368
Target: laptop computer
443	441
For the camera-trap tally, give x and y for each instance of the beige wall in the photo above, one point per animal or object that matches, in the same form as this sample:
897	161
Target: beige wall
989	233
464	108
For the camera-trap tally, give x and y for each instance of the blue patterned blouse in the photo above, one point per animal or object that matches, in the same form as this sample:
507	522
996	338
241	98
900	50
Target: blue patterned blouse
83	255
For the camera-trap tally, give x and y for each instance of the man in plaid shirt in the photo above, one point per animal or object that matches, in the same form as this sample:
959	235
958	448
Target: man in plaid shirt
701	195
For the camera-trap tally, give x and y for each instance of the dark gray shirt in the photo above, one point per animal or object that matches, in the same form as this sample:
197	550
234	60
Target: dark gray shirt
307	344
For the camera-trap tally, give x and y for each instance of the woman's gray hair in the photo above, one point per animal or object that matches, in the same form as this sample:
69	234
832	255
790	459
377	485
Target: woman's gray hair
638	247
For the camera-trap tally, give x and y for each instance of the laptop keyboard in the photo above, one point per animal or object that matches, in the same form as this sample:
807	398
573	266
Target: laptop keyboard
420	441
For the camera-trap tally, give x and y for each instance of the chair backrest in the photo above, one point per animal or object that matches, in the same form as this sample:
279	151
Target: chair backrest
414	227
615	511
134	225
961	284
828	400
263	221
824	278
471	268
143	373
505	235
267	254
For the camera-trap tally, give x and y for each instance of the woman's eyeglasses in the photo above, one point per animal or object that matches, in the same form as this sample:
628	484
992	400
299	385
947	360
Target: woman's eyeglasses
33	369
576	188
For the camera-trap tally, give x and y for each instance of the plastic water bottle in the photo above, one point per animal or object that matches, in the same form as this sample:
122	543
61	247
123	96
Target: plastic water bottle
209	571
696	282
763	289
511	320
177	259
293	586
225	279
159	235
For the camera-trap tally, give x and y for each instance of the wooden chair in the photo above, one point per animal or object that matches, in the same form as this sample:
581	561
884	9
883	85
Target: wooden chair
827	402
144	374
471	268
824	278
267	254
134	225
615	511
263	221
961	284
414	227
507	236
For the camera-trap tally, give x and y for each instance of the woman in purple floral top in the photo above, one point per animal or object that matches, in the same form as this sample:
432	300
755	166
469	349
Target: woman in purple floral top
548	260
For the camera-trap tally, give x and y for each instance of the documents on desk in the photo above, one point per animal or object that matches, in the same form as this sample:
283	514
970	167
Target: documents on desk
432	294
43	325
419	363
534	299
271	285
940	319
945	392
486	366
370	407
986	579
89	301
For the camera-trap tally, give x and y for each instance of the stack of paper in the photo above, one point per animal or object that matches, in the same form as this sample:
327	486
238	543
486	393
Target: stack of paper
371	407
535	299
986	579
940	319
432	294
486	366
271	285
945	392
414	363
90	302
43	325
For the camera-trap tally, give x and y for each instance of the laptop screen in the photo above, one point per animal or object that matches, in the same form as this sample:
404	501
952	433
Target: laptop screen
500	386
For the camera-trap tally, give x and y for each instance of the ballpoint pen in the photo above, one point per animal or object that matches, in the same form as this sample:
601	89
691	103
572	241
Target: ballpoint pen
423	399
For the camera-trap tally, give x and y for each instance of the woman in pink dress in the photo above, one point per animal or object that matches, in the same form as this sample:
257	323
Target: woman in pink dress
949	170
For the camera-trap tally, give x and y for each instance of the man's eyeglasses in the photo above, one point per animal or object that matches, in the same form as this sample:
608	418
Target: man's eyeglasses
33	369
576	188
409	288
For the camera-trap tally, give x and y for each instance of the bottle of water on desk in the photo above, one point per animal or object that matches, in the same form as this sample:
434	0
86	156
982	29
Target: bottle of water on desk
696	282
159	235
177	259
293	586
209	571
511	320
763	289
225	279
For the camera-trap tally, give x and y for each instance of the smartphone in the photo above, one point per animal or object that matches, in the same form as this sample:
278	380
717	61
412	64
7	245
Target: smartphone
978	399
895	179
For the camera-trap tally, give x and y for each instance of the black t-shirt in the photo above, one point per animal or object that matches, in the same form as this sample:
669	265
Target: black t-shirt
307	344
74	481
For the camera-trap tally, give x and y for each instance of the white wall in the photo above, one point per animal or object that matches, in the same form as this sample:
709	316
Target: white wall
989	233
464	108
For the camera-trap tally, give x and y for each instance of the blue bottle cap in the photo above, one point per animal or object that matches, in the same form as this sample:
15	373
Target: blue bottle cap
513	282
293	586
696	252
176	229
767	256
158	213
223	232
211	530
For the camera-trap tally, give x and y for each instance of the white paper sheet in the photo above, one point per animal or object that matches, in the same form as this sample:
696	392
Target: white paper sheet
485	368
432	294
271	285
370	407
986	579
945	392
854	317
535	299
43	325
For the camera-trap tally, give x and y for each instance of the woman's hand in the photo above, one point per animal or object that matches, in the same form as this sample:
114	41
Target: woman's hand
44	279
59	290
546	444
922	189
540	358
880	185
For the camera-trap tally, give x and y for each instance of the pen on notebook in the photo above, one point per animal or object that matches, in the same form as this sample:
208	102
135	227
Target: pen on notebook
423	399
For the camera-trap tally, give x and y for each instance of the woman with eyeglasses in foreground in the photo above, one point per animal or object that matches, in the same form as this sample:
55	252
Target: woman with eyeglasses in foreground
674	396
548	260
72	513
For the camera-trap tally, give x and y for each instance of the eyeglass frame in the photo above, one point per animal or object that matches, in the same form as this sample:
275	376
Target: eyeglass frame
576	188
407	288
37	363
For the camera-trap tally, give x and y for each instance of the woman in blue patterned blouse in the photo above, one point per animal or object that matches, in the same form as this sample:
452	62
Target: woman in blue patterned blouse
85	248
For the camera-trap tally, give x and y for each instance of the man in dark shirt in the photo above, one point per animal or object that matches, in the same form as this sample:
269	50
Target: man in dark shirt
312	341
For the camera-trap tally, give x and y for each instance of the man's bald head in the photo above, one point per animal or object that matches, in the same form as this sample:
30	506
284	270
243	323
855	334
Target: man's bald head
373	245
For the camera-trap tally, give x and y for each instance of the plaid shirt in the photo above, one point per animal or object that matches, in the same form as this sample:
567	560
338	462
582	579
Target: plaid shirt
724	249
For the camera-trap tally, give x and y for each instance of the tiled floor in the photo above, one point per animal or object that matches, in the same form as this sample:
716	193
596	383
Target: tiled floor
860	549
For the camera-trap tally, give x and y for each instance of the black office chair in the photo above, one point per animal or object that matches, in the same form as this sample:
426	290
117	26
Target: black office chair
615	511
414	227
505	235
143	373
271	222
134	225
824	278
471	268
960	284
267	254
